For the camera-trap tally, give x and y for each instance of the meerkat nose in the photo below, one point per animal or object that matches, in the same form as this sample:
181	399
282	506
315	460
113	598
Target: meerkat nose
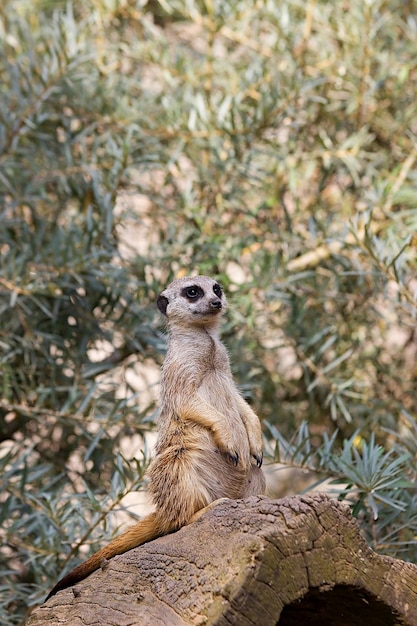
216	304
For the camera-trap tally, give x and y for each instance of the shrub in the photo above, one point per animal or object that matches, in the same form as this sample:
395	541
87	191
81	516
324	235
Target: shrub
271	144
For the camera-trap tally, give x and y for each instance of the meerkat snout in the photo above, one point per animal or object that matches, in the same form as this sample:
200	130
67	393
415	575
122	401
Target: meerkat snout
216	304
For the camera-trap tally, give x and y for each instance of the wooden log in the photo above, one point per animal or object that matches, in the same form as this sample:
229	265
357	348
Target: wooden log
298	560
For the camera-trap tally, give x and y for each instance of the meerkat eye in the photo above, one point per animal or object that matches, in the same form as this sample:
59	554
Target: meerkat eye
218	290
193	293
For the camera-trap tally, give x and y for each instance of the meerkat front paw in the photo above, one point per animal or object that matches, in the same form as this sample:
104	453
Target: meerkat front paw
256	448
229	450
233	457
228	446
259	457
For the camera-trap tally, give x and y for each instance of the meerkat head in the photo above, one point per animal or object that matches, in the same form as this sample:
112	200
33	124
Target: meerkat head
193	301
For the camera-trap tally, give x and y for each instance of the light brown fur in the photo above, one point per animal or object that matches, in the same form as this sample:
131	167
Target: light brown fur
209	443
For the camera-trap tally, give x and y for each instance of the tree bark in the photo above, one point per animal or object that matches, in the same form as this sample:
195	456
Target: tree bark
262	562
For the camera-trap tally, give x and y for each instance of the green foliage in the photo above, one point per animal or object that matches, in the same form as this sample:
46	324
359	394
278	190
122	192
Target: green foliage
270	143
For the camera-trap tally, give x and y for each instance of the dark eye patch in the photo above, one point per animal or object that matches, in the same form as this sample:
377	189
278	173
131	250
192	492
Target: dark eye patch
218	290
194	292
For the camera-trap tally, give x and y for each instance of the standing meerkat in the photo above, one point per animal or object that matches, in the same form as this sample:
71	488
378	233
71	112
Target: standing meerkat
209	440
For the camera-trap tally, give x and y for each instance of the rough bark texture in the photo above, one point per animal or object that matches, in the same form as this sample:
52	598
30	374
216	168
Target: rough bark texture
299	560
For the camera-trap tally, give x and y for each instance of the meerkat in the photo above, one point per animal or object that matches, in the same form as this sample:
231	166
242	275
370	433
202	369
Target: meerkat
209	442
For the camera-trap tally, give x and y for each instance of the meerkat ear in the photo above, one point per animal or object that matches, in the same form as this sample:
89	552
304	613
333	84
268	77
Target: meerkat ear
162	304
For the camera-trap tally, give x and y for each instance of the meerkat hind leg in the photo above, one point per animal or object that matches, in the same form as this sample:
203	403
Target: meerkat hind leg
201	512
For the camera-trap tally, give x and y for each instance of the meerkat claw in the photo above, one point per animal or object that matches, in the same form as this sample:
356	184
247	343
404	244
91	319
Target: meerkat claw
259	459
233	457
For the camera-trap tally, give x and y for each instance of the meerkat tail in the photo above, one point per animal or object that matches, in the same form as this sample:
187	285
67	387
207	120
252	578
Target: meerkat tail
142	532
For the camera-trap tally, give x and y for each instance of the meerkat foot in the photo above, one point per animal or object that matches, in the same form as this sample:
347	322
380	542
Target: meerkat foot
201	512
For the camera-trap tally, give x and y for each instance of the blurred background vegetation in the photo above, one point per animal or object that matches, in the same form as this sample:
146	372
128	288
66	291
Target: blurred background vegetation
271	143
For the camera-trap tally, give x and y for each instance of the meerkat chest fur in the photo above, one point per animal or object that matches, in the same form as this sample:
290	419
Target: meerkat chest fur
216	385
200	362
